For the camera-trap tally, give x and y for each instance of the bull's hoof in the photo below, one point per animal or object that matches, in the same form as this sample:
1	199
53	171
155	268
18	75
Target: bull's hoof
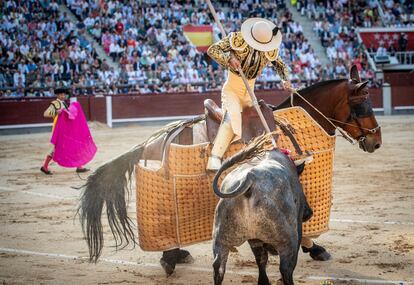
184	257
168	268
317	252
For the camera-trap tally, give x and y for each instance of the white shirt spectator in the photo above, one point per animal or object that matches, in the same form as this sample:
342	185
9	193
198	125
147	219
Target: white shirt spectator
24	49
145	90
221	16
184	20
389	3
74	54
114	47
89	22
296	28
19	78
331	52
340	69
22	68
304	58
381	51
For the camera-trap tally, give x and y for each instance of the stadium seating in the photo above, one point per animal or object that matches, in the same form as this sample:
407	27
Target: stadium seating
40	47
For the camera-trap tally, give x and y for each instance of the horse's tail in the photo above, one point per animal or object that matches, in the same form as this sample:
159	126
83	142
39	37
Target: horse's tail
254	149
109	184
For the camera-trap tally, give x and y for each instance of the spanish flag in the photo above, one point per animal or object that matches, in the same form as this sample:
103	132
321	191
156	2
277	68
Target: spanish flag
200	36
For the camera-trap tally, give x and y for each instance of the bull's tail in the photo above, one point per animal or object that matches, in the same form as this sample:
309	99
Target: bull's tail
254	149
109	184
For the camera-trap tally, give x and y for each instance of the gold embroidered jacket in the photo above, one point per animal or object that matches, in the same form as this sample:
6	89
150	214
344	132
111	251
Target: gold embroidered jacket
252	61
56	105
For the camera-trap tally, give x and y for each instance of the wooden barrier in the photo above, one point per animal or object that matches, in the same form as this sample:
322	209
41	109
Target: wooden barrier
175	104
25	111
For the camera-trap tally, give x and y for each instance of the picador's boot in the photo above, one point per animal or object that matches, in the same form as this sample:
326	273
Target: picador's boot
223	139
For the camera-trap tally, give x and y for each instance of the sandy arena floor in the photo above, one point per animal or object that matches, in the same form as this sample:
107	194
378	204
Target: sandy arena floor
371	237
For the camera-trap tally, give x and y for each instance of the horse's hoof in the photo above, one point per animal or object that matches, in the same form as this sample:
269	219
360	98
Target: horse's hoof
184	257
168	268
317	252
323	256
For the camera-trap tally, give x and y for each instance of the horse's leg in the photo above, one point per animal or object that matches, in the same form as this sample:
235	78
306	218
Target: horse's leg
169	260
261	256
221	254
172	257
317	252
184	256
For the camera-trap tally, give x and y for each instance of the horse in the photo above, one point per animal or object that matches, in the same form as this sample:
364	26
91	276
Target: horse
262	202
341	103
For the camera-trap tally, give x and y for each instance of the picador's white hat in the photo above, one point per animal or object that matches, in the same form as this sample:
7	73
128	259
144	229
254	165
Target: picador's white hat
261	34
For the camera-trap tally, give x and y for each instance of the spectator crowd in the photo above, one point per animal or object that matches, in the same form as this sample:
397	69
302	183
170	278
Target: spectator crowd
335	23
42	47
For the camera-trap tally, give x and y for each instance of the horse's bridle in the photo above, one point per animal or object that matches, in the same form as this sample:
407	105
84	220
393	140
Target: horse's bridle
360	107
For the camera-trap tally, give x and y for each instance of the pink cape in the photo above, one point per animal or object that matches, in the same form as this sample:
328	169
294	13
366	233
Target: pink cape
74	146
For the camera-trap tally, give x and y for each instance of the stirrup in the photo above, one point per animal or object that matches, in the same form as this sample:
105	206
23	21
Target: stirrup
214	163
307	159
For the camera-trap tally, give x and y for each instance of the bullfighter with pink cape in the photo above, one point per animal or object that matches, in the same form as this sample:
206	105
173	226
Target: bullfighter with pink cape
72	139
73	145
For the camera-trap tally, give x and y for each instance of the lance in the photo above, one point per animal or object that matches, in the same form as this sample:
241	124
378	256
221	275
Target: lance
249	90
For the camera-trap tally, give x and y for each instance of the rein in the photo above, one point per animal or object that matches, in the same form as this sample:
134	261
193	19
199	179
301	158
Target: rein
353	116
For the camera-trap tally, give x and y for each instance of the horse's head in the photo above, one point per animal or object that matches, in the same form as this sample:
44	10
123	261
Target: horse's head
359	118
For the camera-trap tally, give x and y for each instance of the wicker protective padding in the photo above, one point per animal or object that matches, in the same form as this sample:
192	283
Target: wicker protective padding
178	209
317	177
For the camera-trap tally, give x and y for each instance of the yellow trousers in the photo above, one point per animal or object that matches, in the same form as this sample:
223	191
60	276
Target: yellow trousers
234	97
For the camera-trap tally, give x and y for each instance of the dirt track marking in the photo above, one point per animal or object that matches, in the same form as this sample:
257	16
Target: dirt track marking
349	221
199	269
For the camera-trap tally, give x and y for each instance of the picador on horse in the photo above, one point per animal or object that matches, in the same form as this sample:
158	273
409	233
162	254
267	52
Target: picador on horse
253	48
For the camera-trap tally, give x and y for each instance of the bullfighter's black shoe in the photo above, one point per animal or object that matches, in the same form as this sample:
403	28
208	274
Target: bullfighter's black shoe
82	170
45	171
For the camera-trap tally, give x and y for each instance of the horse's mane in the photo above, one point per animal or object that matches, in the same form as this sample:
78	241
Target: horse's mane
320	86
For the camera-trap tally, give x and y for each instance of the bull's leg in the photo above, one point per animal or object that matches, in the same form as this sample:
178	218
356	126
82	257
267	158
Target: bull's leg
288	260
221	254
261	256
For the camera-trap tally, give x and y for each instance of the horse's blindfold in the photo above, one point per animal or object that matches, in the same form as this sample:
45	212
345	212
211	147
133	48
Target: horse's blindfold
362	110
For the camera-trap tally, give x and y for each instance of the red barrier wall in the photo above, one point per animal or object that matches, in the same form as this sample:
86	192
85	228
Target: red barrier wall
27	111
30	111
97	109
376	97
177	104
402	88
